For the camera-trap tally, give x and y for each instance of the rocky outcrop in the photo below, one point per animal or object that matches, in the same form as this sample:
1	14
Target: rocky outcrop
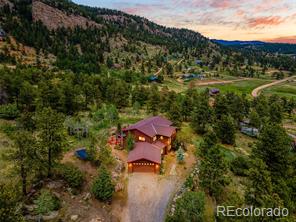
54	18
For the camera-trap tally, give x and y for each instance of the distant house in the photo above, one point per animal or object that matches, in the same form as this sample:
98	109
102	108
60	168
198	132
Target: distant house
214	91
153	138
250	131
190	76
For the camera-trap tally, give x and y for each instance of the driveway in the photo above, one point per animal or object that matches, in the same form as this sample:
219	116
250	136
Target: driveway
148	196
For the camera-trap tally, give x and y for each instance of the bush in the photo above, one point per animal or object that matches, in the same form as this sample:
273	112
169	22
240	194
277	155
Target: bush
240	166
46	202
190	207
9	111
102	187
71	174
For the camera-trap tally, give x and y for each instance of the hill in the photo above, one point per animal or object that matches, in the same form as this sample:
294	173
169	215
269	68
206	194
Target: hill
281	48
86	39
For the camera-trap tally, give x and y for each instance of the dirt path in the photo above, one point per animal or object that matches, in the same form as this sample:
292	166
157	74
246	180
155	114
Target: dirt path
219	82
256	92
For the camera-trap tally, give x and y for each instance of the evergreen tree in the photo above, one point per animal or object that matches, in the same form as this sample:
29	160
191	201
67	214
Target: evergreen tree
50	127
255	119
103	187
213	170
201	116
175	114
25	156
225	129
259	191
274	148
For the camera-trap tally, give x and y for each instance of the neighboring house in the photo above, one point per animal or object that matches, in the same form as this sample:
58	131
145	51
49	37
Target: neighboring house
153	138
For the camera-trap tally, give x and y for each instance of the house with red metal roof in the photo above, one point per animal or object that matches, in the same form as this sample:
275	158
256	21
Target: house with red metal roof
153	138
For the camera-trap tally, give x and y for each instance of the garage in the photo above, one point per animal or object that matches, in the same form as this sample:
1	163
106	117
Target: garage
144	167
144	158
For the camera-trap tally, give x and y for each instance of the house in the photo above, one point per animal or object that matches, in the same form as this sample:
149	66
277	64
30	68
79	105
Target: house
153	138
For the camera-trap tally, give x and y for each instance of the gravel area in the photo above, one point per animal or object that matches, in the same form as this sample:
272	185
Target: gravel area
148	196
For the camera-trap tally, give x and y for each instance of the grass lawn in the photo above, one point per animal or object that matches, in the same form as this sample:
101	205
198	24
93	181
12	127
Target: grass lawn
246	86
175	85
286	90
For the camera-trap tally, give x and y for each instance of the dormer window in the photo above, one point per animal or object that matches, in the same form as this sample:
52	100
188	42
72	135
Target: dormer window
142	138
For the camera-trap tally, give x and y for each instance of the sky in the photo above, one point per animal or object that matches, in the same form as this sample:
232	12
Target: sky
267	20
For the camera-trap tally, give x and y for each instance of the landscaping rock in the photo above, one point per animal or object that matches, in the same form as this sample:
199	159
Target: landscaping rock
87	196
119	187
74	217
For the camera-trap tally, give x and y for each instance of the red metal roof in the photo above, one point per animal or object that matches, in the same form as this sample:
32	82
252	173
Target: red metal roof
147	151
153	126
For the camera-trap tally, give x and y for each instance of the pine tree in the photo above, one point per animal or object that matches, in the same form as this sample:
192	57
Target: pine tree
201	116
274	148
102	187
50	127
259	191
25	156
213	170
225	129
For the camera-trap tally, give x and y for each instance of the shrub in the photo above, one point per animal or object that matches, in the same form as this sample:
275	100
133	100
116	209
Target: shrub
102	187
180	155
190	207
240	166
46	202
72	175
9	111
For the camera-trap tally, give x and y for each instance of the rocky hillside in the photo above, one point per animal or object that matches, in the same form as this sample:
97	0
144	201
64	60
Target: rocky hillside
83	38
54	18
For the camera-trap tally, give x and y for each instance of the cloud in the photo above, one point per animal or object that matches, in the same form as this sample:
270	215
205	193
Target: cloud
284	39
261	22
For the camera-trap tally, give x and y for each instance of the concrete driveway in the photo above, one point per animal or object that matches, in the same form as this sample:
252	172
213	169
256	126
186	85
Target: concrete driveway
148	196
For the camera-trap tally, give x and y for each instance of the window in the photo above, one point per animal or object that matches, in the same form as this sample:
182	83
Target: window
154	138
161	137
142	138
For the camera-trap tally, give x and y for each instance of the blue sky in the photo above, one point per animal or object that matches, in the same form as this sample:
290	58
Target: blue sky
269	20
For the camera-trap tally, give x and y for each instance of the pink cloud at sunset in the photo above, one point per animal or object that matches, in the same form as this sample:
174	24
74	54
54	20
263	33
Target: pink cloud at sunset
219	19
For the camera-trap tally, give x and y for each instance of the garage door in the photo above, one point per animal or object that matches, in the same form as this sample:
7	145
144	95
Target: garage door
143	168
